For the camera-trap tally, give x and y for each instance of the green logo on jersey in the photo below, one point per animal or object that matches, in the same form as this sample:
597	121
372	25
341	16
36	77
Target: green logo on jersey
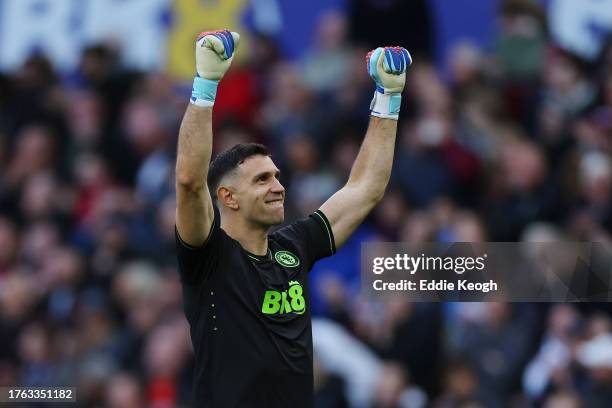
286	301
287	259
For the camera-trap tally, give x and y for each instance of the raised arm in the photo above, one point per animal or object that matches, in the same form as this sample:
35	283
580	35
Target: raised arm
370	173
194	211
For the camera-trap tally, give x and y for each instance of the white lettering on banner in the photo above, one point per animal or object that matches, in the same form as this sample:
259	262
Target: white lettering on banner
135	24
28	25
581	26
61	28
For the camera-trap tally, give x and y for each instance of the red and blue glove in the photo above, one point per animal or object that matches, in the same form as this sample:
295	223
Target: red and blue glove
214	53
387	67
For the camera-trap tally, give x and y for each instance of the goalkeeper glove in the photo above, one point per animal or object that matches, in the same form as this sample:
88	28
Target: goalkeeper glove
387	67
214	54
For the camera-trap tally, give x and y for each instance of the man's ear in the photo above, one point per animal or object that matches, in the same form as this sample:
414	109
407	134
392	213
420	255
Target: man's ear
226	197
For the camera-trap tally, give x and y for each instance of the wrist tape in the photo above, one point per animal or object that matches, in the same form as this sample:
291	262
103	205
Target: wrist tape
204	91
386	105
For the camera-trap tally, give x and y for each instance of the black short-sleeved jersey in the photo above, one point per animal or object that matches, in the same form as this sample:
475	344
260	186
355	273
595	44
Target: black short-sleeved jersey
249	316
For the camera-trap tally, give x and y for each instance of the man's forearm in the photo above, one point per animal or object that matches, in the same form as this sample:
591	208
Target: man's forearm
194	209
372	168
194	146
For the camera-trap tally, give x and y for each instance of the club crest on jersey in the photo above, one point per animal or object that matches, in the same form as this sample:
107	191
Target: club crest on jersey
285	301
286	258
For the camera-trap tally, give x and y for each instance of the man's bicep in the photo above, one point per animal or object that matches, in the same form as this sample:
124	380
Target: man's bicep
345	210
194	215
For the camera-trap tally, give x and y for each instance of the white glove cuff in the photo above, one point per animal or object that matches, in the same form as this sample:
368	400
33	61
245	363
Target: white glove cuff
204	91
386	105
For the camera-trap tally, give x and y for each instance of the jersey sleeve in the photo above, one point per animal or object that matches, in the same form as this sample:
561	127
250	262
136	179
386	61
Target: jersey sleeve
313	234
196	263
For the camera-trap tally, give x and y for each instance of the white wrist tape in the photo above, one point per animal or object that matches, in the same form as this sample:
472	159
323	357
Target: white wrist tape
204	92
386	105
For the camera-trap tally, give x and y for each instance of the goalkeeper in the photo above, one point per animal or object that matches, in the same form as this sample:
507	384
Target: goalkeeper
245	290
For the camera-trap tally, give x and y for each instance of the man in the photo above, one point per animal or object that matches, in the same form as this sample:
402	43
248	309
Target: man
246	291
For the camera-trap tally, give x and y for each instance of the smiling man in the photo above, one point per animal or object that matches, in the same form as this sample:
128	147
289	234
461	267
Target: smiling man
245	290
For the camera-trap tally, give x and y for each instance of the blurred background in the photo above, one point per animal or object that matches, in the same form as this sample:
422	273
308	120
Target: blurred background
505	135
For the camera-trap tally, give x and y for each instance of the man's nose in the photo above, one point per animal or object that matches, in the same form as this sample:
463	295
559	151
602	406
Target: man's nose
277	187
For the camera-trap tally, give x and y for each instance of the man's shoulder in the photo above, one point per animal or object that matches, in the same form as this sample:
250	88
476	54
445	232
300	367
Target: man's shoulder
288	230
311	227
216	241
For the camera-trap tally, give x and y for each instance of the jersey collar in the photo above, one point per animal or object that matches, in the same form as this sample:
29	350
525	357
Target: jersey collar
259	258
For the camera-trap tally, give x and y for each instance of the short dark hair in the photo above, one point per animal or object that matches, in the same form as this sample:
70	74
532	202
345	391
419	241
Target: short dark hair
228	160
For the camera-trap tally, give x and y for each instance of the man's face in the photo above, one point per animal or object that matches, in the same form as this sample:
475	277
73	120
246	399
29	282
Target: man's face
258	191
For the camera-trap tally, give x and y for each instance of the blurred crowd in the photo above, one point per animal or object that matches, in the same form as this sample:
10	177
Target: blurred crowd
508	144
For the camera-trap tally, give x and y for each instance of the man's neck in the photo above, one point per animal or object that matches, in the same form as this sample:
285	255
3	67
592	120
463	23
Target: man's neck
251	237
